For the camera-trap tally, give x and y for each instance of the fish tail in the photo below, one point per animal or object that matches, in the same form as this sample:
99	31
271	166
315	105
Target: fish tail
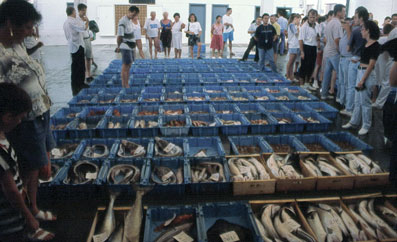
141	189
114	194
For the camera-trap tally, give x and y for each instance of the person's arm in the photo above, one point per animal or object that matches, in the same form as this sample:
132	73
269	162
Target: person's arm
76	26
337	43
301	49
212	29
368	71
13	196
350	44
256	36
393	75
35	48
120	34
275	36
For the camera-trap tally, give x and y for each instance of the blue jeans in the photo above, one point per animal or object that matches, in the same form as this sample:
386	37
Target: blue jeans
362	111
266	55
331	63
352	76
343	79
282	42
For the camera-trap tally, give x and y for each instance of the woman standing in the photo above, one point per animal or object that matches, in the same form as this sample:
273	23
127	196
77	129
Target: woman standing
193	33
293	44
166	34
217	37
138	35
176	30
366	79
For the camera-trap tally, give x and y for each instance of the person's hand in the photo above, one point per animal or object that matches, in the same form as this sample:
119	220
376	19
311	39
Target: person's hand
360	85
85	18
183	26
32	223
40	44
302	55
117	50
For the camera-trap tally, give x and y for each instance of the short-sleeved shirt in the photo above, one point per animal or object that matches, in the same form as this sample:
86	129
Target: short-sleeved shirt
137	30
126	30
253	27
357	42
229	20
17	67
177	27
333	31
343	46
277	27
308	35
218	29
283	22
293	41
11	220
152	27
320	28
194	27
370	52
265	35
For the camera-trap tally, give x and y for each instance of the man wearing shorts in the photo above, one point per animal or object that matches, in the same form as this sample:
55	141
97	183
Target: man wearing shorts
228	30
82	8
126	43
152	28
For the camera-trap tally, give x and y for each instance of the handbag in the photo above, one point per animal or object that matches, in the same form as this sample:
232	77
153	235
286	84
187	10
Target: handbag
188	26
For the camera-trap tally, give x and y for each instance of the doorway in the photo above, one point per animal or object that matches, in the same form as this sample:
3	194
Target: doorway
199	11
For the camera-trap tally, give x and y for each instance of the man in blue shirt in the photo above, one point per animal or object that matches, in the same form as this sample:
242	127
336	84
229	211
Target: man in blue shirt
283	22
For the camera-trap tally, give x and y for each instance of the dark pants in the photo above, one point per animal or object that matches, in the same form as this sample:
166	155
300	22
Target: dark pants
389	123
78	71
309	62
251	45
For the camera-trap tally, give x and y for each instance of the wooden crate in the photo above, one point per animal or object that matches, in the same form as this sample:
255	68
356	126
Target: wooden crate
253	187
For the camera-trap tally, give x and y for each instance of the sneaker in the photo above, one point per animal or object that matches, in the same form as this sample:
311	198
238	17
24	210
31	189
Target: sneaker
347	126
345	112
313	88
315	84
338	100
363	131
329	97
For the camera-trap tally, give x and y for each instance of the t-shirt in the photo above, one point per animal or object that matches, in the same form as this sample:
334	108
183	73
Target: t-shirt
333	31
277	27
370	52
194	27
293	41
283	22
229	20
265	35
320	32
152	27
218	29
357	42
137	30
308	35
343	44
253	27
126	30
176	28
11	220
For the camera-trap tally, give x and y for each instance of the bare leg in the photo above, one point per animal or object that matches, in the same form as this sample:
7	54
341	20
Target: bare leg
155	49
191	52
332	85
221	53
139	45
88	67
31	181
150	47
213	53
125	75
176	53
198	49
290	63
230	48
180	53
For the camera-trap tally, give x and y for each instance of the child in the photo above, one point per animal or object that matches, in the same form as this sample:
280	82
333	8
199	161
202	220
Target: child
15	216
217	37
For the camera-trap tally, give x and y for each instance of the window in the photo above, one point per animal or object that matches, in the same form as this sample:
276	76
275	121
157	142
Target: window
257	11
142	1
70	4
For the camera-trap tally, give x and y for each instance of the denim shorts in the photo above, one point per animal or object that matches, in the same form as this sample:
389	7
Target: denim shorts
228	36
127	56
295	51
31	141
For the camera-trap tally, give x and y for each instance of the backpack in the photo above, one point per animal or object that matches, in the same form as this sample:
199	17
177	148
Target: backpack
93	26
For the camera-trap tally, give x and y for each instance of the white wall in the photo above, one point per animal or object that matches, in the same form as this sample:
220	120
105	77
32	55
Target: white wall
380	8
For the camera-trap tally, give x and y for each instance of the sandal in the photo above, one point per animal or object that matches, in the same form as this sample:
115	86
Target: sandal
45	216
41	235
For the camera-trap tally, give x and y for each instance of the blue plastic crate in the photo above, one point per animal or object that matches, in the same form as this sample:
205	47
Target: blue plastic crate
174	131
110	91
165	109
194	89
154	89
241	97
214	89
152	109
207	130
173	98
324	109
298	107
155	216
94	111
212	145
252	89
181	142
86	144
324	124
90	132
141	82
234	129
304	96
123	110
196	97
104	131
172	69
225	108
131	90
257	141
151	98
262	96
219	97
260	78
297	124
274	90
59	128
275	108
234	89
200	109
147	143
173	90
238	213
208	188
104	99
327	144
246	108
48	189
284	97
210	81
224	77
174	81
295	90
127	99
71	112
347	137
91	91
208	75
290	140
75	154
139	76
269	128
144	132
81	101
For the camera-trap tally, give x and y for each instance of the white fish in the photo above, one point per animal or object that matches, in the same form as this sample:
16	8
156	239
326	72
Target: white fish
237	176
363	224
355	233
382	224
344	162
284	231
328	168
388	214
313	169
293	227
263	175
315	223
268	212
290	172
262	230
334	233
273	166
109	221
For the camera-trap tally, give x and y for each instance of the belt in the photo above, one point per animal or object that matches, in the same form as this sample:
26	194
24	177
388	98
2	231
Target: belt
362	68
345	56
87	38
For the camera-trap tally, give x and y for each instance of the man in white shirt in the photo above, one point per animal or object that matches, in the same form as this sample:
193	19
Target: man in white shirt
73	32
82	9
283	22
228	30
252	44
152	28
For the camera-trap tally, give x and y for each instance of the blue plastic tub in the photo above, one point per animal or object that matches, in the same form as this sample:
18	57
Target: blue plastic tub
212	145
298	107
123	110
59	127
290	140
172	69
200	109
104	131
297	125
49	189
131	90
225	77
274	90
257	141
324	109
208	75
241	97
210	81
140	82
260	78
127	99
225	108
252	89
110	91
152	89
214	89
90	132
192	80
234	129
238	213
283	97
208	188
270	128
144	132
234	90
75	154
324	124
165	109
262	96
81	101
275	108
194	89
173	98
173	90
242	77
207	130
105	99
156	77
87	143
246	108
319	139
304	96
219	97
71	112
196	97
181	142
352	140
156	216
91	91
151	110
150	98
174	131
295	89
147	143
94	111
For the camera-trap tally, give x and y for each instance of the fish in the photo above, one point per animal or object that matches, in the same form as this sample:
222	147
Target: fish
315	223
274	167
386	229
355	233
96	151
327	168
167	149
123	174
118	233
263	175
82	126
173	231
230	122
337	218
388	214
176	220
201	153
284	231
262	230
207	172
360	164
130	149
268	212
133	220
343	162
334	233
222	226
63	151
163	175
292	231
362	223
109	221
82	172
312	168
235	172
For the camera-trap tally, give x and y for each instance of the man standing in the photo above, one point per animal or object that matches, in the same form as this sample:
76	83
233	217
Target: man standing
228	30
82	8
253	42
152	28
273	21
73	31
333	34
345	56
283	22
126	43
265	35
